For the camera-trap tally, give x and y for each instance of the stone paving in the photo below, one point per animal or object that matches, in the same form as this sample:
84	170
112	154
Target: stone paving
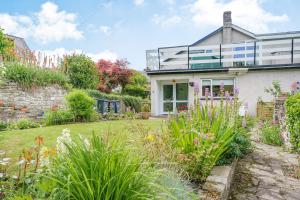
261	176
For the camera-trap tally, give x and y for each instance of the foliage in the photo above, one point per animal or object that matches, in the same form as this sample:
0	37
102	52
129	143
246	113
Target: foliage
81	105
26	123
81	71
7	52
138	85
241	143
293	119
200	137
275	90
113	74
58	117
270	134
30	76
145	107
100	170
3	125
129	101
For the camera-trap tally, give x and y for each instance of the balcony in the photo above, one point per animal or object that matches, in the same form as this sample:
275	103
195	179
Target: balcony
246	54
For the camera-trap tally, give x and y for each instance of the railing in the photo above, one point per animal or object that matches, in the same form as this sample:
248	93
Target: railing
252	53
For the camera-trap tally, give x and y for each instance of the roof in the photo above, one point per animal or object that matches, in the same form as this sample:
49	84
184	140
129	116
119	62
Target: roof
20	43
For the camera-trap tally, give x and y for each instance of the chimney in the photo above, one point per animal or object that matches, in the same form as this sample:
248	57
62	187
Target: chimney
227	27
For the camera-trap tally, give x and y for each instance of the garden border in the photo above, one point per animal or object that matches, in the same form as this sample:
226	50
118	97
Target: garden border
218	183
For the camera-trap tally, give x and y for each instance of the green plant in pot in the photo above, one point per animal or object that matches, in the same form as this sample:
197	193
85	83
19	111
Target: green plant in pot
145	114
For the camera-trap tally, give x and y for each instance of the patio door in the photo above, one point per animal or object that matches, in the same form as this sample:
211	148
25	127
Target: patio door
174	98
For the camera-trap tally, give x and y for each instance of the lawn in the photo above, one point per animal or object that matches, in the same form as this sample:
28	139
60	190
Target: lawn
13	142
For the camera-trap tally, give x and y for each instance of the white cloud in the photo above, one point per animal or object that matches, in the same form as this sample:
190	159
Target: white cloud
166	21
60	52
138	2
48	25
248	14
105	29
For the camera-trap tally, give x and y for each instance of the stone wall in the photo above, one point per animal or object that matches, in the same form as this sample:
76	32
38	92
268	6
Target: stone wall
17	102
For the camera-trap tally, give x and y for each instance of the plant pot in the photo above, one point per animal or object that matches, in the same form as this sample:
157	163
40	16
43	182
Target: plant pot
145	115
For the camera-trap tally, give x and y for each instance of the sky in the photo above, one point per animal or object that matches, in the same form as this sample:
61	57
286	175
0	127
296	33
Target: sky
114	29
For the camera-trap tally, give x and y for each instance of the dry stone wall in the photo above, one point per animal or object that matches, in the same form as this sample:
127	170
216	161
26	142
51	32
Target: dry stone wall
17	102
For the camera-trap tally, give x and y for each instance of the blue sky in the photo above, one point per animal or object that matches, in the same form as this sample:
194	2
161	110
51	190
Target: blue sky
113	29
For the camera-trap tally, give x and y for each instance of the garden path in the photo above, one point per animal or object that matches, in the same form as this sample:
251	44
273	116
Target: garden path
264	174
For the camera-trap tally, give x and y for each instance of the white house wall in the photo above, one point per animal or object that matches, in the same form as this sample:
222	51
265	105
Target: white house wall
251	85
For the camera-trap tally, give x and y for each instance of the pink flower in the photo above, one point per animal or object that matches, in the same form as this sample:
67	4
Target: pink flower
222	87
196	87
196	141
207	93
236	91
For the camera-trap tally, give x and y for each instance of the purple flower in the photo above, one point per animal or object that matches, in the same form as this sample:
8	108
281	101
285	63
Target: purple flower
222	87
196	87
227	95
207	93
236	91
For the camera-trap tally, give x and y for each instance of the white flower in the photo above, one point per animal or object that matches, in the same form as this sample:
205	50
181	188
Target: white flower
14	177
86	143
65	138
32	162
6	159
21	162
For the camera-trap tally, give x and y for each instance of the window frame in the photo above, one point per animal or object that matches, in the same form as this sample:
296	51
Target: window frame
211	86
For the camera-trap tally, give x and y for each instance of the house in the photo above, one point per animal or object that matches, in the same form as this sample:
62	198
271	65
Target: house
229	56
21	47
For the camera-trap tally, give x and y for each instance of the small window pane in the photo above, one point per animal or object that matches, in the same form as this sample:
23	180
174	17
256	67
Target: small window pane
181	91
182	106
168	92
228	86
168	107
239	48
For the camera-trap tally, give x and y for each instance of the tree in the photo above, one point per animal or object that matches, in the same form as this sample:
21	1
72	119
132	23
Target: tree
113	74
7	47
81	70
138	85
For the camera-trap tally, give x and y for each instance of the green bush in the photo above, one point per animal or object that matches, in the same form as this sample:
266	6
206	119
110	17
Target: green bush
32	76
26	124
293	119
241	143
58	117
145	107
81	105
138	91
96	170
3	125
200	137
129	101
82	71
270	134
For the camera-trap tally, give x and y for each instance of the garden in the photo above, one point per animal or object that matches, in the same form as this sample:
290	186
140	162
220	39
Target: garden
72	149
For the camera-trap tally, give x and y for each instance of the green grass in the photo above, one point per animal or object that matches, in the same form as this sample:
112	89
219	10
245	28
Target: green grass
13	142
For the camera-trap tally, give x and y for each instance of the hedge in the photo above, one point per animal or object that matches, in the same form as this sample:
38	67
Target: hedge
129	101
293	119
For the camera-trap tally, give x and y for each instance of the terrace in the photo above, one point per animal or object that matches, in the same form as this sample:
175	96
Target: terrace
248	54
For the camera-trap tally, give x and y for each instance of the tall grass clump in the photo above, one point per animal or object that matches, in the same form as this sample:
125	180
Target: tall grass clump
100	170
30	76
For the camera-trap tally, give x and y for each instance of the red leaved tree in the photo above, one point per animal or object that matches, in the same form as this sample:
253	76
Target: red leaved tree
113	74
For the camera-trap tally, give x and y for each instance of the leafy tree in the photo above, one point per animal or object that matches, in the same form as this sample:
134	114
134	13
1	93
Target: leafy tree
138	85
81	70
7	45
113	74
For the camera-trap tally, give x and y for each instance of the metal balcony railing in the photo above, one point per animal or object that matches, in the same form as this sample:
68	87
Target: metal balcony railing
245	54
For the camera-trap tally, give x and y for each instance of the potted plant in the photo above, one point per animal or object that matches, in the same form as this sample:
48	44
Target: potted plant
145	114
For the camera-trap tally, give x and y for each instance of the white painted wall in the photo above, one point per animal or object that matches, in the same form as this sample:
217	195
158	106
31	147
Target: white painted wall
251	85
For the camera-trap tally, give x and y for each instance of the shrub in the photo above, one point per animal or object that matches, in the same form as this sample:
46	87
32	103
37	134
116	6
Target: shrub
241	143
26	123
145	107
293	119
30	76
200	137
3	125
81	105
82	71
96	170
138	91
58	117
129	101
270	134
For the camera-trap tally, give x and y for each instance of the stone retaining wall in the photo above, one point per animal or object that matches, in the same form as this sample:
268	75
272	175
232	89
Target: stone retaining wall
17	102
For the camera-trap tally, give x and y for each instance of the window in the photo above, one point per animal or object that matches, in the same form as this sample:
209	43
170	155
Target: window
213	87
239	56
239	48
175	97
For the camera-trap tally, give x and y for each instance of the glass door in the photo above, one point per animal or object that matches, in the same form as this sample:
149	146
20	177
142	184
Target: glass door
175	97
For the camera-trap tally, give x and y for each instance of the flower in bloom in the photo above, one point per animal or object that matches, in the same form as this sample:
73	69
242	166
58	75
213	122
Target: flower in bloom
207	93
227	95
65	138
236	91
196	141
222	87
196	87
151	137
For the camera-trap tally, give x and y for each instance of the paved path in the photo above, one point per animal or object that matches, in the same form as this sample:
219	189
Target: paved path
260	175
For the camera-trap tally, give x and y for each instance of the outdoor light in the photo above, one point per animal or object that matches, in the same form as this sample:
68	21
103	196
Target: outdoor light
191	84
